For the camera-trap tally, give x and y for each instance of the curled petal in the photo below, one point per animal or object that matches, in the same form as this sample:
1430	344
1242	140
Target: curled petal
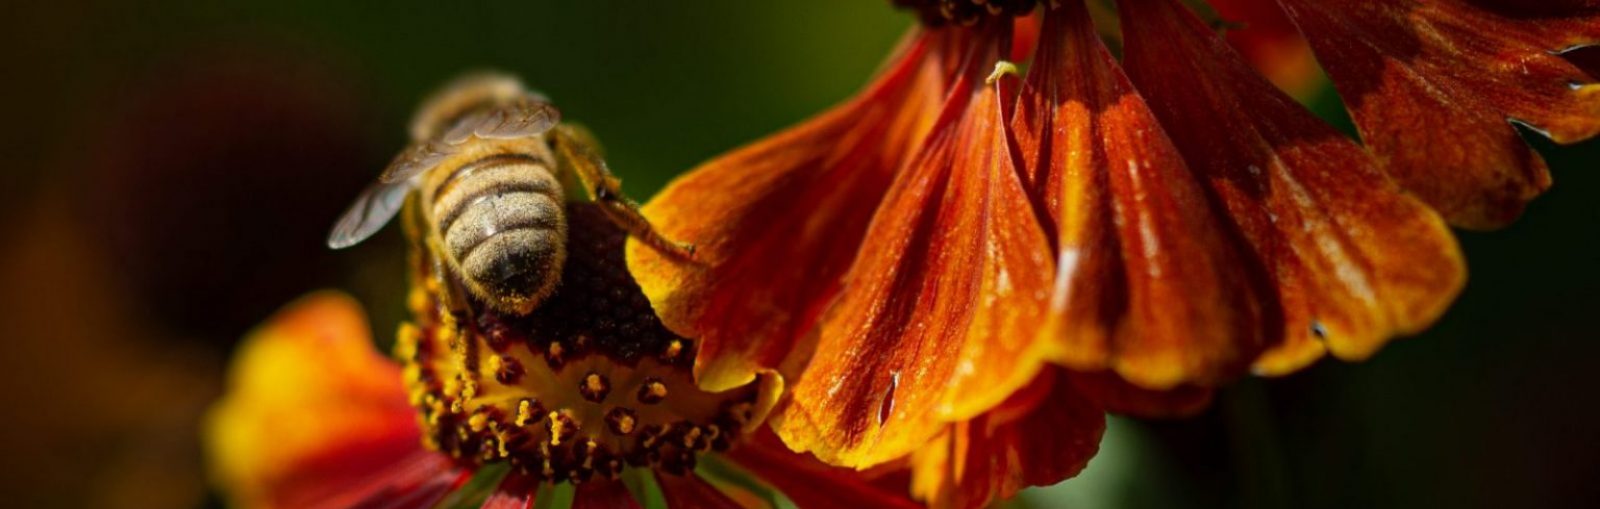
1150	284
1354	260
939	317
1434	85
312	411
776	223
1045	433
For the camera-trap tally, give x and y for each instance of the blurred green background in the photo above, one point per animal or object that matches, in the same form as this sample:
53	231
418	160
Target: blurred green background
173	167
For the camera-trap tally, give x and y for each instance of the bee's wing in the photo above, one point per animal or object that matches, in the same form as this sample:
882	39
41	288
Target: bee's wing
416	159
372	209
522	119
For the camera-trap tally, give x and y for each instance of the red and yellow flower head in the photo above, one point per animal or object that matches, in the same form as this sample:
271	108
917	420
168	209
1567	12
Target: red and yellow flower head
587	399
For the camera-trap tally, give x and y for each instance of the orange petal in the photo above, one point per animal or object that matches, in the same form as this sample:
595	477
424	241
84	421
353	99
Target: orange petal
1049	435
940	314
810	483
692	491
1150	283
1117	396
1432	85
1355	260
312	410
776	223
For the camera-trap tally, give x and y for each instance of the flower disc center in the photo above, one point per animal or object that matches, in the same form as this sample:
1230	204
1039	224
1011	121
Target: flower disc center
586	384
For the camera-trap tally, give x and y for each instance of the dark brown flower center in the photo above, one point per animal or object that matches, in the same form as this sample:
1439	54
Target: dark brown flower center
965	12
586	384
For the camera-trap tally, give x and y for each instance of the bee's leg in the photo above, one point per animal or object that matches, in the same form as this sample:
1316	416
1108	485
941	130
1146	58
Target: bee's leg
452	305
452	295
463	317
575	150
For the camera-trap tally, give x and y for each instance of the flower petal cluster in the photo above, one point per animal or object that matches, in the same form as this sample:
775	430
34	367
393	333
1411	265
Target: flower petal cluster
963	256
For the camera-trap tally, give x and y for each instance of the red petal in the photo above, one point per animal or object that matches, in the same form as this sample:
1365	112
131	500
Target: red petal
516	491
939	321
1024	37
1525	8
692	491
811	484
1117	396
1041	442
1150	285
1432	86
1355	261
1051	443
776	223
603	495
414	482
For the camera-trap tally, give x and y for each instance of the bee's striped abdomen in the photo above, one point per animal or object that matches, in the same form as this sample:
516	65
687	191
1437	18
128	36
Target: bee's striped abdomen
503	225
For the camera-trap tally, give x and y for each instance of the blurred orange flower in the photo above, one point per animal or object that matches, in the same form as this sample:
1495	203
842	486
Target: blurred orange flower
965	258
305	392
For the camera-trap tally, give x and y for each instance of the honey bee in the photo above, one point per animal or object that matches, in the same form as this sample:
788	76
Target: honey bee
489	169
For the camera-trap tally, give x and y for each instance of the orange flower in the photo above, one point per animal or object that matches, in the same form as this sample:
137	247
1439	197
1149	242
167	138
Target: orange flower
585	391
311	410
957	260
